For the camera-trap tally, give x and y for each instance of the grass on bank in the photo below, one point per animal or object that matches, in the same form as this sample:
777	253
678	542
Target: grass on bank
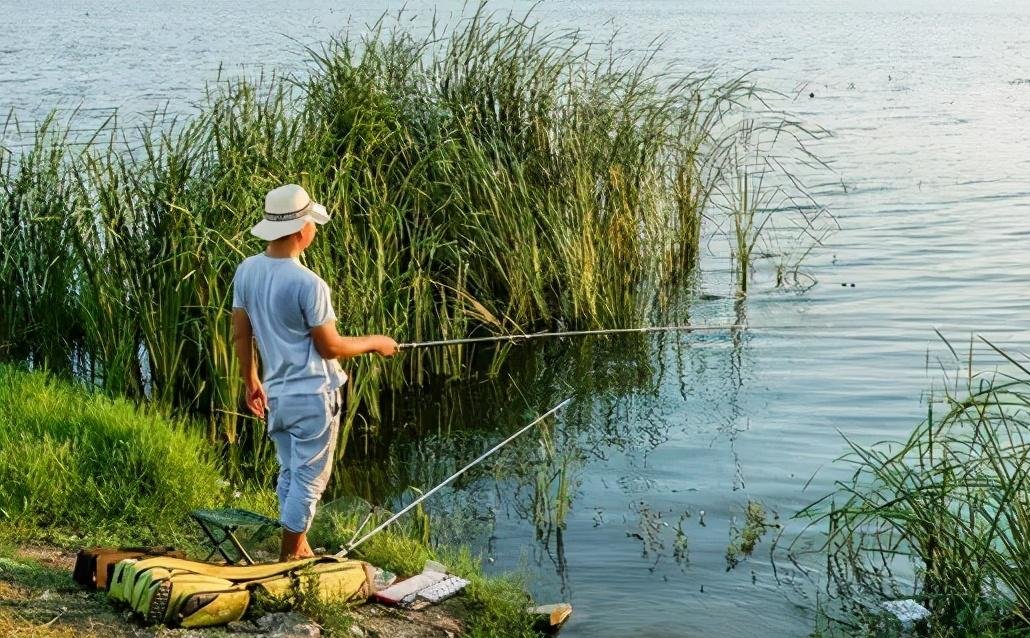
942	517
84	463
80	469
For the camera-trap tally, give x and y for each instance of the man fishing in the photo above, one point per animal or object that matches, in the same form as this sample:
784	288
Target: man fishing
287	309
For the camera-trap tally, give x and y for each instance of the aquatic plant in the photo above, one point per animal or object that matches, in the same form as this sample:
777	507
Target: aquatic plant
485	177
38	315
767	203
744	538
942	516
681	542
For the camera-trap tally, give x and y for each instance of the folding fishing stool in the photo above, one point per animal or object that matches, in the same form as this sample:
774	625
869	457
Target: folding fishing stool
220	527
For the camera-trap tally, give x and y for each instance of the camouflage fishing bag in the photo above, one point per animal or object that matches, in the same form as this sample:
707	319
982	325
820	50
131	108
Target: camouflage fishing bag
186	593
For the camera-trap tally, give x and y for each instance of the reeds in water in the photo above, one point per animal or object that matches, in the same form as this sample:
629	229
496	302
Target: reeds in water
943	516
485	177
767	204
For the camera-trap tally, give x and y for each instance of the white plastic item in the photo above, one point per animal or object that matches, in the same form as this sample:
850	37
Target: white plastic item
907	611
443	589
396	593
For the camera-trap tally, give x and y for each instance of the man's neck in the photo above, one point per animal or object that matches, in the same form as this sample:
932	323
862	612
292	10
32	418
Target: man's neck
282	250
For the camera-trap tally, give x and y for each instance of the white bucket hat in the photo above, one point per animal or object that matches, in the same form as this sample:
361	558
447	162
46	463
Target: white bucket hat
287	209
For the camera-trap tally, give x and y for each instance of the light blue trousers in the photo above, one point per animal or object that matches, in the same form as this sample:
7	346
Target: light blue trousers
304	428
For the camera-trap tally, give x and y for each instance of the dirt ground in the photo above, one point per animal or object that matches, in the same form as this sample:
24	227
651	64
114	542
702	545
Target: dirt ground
38	599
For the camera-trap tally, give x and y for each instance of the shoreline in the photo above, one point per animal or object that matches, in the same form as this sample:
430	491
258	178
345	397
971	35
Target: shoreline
86	443
38	598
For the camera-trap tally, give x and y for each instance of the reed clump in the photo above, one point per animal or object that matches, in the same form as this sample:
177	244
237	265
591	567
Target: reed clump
942	517
769	211
486	177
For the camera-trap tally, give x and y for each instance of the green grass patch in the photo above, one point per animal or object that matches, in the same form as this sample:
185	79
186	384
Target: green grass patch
75	462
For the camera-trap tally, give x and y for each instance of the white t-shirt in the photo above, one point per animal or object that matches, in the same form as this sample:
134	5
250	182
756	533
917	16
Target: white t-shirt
284	301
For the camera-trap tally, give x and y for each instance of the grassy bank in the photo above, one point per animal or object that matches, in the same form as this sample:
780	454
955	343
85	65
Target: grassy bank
78	468
76	462
488	177
942	517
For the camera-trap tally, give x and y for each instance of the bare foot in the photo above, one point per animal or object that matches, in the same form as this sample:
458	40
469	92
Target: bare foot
295	546
293	557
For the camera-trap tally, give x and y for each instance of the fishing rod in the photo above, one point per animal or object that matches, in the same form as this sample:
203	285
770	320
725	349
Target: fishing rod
683	328
354	543
568	333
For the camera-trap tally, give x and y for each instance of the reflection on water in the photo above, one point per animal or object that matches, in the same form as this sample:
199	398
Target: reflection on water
464	418
634	396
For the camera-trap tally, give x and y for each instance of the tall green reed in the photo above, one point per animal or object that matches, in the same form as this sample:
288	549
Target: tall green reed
38	316
766	202
485	177
943	515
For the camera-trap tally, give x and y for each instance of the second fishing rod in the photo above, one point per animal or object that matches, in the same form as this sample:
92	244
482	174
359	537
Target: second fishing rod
356	540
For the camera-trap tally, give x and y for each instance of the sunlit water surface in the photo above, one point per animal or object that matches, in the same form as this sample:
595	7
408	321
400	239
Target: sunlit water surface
927	103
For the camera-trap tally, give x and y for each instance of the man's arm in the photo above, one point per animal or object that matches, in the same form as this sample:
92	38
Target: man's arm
243	335
331	345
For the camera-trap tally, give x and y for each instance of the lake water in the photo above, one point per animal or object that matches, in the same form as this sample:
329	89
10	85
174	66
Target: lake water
927	103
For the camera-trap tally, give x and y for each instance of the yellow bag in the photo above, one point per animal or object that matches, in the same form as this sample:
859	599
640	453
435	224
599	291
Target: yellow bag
116	586
188	593
235	573
127	573
209	609
337	581
193	600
